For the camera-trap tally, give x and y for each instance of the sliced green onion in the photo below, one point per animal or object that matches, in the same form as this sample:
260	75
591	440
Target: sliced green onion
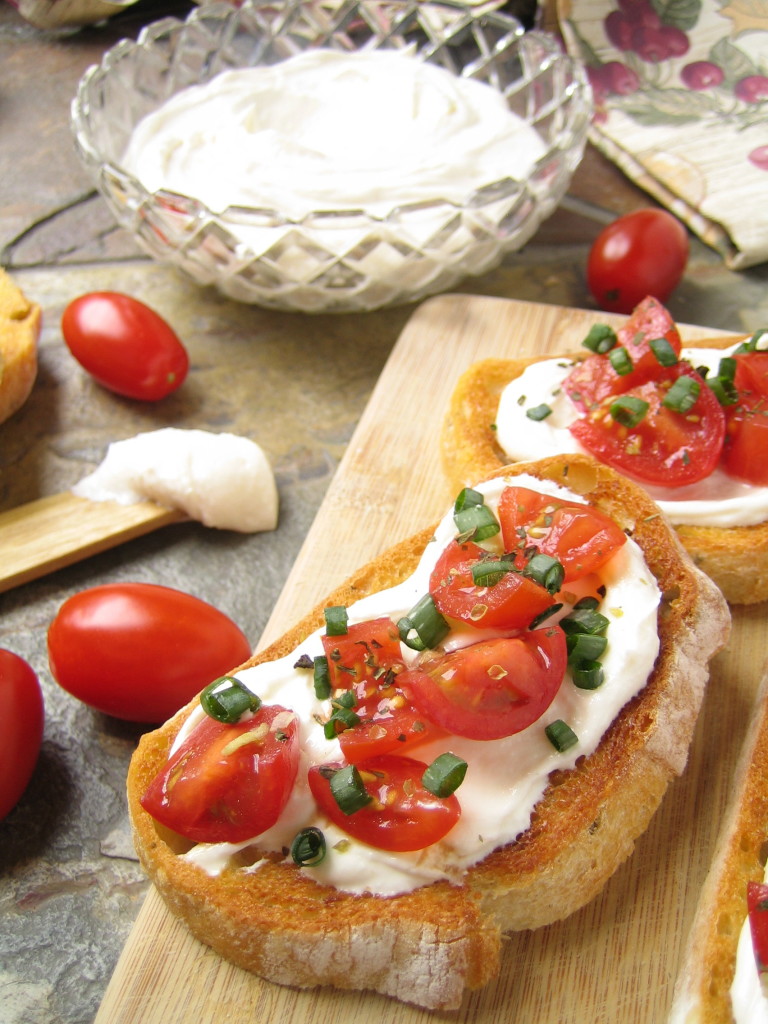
751	344
349	790
336	620
601	339
584	620
629	410
466	498
586	646
423	627
723	389
444	776
546	571
588	675
561	735
342	714
322	678
543	616
539	412
665	354
476	522
491	571
308	847
621	361
683	395
727	368
227	700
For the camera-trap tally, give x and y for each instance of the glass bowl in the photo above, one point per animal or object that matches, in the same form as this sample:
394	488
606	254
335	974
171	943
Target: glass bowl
334	260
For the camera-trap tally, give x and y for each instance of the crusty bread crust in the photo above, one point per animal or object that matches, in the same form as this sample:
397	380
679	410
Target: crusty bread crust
427	946
736	558
19	333
702	989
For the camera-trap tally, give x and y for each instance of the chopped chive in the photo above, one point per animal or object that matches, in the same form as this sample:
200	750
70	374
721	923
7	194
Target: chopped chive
308	847
348	789
621	361
584	620
423	627
588	675
466	498
227	700
585	646
629	410
601	339
683	394
561	735
546	571
491	571
665	354
336	620
476	522
539	412
444	776
543	616
322	678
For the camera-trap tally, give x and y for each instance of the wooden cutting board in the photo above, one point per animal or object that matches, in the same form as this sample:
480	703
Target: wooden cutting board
614	961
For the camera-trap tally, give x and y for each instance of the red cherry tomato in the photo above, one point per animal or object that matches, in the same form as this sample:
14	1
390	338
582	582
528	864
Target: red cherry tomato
21	728
139	651
665	447
595	378
746	437
757	907
580	537
228	783
642	253
126	346
513	602
367	660
403	814
493	688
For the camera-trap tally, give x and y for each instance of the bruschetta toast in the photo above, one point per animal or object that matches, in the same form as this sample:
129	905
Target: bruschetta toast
19	333
542	692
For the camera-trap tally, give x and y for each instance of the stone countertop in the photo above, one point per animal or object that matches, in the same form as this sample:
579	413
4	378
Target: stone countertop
70	886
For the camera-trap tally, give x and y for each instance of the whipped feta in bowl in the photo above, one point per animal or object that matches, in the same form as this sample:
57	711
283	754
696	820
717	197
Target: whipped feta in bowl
333	160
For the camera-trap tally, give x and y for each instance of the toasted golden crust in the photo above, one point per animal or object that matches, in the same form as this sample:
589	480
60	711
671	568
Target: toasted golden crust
426	946
736	558
702	990
19	333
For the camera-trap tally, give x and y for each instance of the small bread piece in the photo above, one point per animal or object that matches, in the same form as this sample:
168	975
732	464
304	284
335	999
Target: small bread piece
702	989
428	945
19	333
736	558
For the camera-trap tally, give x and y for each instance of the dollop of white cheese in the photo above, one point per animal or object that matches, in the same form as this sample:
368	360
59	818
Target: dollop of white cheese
327	130
222	480
748	1002
718	500
505	778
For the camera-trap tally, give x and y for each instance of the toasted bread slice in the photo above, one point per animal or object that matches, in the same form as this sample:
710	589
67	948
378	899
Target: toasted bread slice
19	333
702	992
736	558
428	945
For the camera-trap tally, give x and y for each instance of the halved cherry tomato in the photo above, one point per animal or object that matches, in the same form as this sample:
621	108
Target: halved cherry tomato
746	436
140	651
21	728
402	815
493	688
228	783
125	345
642	253
580	537
595	378
757	907
367	660
511	603
666	447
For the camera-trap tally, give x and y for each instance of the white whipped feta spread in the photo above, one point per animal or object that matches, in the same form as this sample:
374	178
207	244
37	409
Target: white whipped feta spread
748	1003
505	777
325	130
718	500
222	480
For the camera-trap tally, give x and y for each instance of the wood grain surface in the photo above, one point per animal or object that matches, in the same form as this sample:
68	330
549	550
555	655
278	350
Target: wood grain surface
614	961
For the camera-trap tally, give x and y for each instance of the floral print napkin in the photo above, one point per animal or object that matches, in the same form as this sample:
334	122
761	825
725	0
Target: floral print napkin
681	106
